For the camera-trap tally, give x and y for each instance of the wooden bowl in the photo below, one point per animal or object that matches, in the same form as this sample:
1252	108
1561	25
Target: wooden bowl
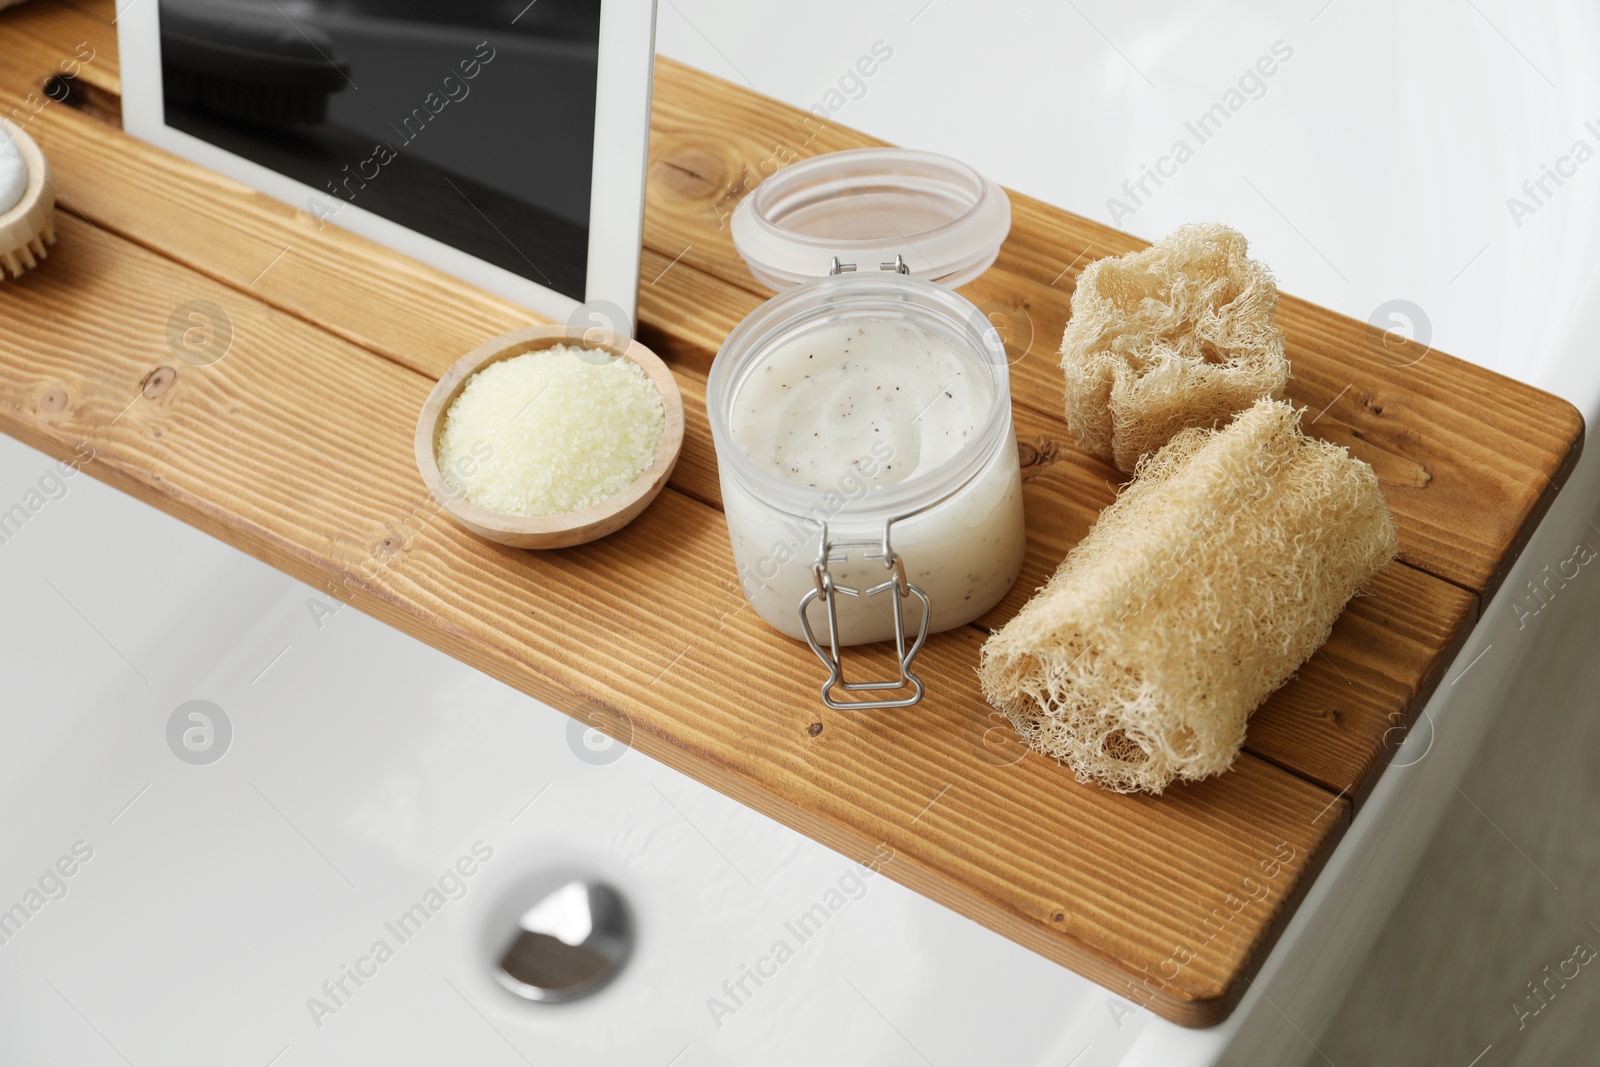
573	527
29	227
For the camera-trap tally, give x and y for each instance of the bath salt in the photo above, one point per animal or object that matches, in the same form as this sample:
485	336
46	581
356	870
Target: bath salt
550	432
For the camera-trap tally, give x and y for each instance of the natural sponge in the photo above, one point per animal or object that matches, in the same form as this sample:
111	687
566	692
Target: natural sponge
1177	335
1213	576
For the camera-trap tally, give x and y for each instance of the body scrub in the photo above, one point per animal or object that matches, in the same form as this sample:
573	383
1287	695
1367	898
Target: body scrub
824	405
858	412
551	432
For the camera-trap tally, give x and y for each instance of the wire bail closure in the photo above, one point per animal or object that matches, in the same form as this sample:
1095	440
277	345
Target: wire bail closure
828	590
896	585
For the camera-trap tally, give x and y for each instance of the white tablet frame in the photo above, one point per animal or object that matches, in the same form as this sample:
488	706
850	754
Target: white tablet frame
616	194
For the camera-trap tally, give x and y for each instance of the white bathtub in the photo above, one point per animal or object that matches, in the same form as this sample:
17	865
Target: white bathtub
208	903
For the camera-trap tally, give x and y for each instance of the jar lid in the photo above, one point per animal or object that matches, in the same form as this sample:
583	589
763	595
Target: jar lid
865	206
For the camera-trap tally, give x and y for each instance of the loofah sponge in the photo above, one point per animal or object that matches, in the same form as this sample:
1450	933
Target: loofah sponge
1219	569
1175	336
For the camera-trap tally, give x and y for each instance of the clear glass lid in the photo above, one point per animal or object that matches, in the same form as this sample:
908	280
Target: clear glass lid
866	206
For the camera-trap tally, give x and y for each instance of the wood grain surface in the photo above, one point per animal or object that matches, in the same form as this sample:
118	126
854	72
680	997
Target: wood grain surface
251	449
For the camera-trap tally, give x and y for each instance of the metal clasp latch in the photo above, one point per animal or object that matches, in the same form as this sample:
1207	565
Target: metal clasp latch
898	265
898	588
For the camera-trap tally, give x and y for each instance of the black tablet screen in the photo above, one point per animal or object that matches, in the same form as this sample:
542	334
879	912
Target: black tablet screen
470	121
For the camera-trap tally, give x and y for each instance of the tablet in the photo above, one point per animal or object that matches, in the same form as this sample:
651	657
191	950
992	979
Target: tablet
502	141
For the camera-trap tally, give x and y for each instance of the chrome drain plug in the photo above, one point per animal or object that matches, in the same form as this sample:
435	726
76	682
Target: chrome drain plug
568	944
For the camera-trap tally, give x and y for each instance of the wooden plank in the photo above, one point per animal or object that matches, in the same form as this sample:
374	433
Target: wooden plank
252	449
1464	499
1320	727
72	42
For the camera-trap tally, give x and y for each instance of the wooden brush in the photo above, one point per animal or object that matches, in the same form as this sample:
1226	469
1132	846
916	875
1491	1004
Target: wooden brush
27	227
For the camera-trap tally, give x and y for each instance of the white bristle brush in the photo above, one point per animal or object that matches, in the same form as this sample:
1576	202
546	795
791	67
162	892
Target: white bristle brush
27	202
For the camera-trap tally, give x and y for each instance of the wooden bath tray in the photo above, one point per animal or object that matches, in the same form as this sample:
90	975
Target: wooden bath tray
296	448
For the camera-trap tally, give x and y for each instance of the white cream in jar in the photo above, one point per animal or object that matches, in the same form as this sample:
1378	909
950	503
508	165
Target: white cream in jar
864	419
826	404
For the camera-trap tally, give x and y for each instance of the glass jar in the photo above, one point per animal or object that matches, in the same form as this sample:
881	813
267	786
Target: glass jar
832	544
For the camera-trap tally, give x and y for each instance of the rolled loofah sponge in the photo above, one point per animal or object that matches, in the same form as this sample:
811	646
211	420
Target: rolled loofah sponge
1219	569
1177	335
